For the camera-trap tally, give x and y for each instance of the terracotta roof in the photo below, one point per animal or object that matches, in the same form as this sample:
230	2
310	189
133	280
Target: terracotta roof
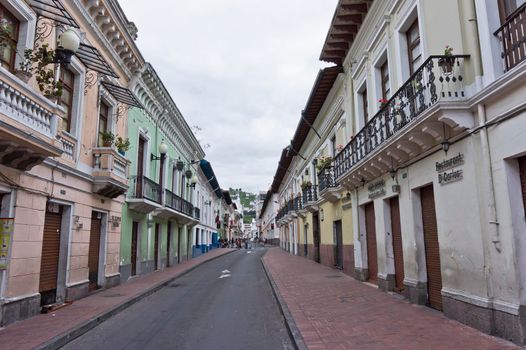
346	22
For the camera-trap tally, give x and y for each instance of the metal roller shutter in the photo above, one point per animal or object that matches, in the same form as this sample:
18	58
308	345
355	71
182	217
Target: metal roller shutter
370	228
50	252
94	248
434	276
397	245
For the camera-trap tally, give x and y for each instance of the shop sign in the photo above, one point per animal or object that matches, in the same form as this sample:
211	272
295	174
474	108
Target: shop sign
6	231
376	189
451	175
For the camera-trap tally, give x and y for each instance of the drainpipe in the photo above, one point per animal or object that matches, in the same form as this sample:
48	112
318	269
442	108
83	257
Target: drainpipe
473	45
493	232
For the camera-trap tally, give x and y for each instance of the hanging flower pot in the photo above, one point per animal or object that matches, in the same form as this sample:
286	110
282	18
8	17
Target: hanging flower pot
188	174
179	165
446	63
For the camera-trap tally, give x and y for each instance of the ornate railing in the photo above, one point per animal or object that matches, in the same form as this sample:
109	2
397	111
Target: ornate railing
438	78
309	194
512	35
27	111
178	204
145	188
197	213
298	204
326	178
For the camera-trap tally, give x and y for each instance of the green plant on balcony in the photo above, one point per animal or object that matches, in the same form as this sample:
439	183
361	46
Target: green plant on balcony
305	184
323	162
36	62
122	144
446	63
107	138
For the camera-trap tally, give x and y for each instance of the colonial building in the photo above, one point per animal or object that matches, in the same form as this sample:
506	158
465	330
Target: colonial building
432	99
61	187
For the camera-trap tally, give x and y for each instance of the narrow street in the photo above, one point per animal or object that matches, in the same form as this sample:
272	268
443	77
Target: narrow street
209	308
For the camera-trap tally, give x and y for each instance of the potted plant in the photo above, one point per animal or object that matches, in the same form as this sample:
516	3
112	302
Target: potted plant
305	184
383	102
122	145
323	162
36	63
447	61
107	138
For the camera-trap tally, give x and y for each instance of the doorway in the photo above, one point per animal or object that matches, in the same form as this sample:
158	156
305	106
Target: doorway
94	250
168	244
156	247
338	247
432	249
50	254
397	244
370	230
134	241
316	236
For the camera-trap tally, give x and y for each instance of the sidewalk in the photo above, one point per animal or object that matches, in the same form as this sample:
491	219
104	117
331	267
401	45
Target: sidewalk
334	311
50	331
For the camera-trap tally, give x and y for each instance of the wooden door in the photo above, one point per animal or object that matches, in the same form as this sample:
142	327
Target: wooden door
432	249
140	168
156	248
179	236
134	240
522	168
316	236
397	244
338	247
370	229
168	243
50	255
94	250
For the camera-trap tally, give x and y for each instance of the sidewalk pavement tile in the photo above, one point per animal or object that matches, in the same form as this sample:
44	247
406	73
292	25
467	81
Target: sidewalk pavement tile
335	311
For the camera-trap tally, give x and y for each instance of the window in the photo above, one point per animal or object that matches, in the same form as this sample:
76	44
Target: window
333	145
9	27
67	78
414	49
507	7
384	74
365	106
103	121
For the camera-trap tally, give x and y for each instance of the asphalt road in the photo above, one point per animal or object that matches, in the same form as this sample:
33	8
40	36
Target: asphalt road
200	311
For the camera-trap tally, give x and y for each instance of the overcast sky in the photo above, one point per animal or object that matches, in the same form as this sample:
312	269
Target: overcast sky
242	70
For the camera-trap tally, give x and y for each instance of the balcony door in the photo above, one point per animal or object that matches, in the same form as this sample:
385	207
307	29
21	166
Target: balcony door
140	166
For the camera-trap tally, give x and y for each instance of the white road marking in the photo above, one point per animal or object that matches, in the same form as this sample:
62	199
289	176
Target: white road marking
224	275
249	252
225	271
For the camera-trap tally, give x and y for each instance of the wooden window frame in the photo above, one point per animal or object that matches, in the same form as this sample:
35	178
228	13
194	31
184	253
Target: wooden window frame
365	106
101	116
71	90
13	39
384	77
412	44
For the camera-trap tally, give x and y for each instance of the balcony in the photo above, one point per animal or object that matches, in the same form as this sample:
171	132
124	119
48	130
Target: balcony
328	187
310	198
512	35
145	195
110	172
176	208
427	110
28	124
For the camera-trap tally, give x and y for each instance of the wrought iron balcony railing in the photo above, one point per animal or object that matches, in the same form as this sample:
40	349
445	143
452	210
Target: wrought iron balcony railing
145	188
439	78
298	204
178	204
512	35
326	178
310	194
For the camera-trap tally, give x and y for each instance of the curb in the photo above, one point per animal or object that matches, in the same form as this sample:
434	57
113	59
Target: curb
293	330
62	339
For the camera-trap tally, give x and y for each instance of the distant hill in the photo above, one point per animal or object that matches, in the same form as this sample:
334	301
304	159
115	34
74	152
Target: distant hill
247	200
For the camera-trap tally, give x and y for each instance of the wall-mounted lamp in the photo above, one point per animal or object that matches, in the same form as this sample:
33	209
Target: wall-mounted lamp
67	45
163	149
193	181
76	221
179	165
445	143
322	215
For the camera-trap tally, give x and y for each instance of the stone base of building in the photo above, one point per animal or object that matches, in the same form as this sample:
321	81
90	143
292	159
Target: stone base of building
327	254
361	274
125	272
17	310
147	267
416	293
304	250
494	322
77	291
113	281
386	284
348	259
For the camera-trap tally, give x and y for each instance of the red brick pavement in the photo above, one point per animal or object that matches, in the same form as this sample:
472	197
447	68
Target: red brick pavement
42	328
335	311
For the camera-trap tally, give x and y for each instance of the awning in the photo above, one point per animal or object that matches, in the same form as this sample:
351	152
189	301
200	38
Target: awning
226	196
53	10
122	94
206	167
93	60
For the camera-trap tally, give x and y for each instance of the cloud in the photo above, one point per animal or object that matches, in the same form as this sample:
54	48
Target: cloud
240	69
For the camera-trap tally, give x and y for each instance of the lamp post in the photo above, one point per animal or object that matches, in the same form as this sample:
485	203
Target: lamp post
67	45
